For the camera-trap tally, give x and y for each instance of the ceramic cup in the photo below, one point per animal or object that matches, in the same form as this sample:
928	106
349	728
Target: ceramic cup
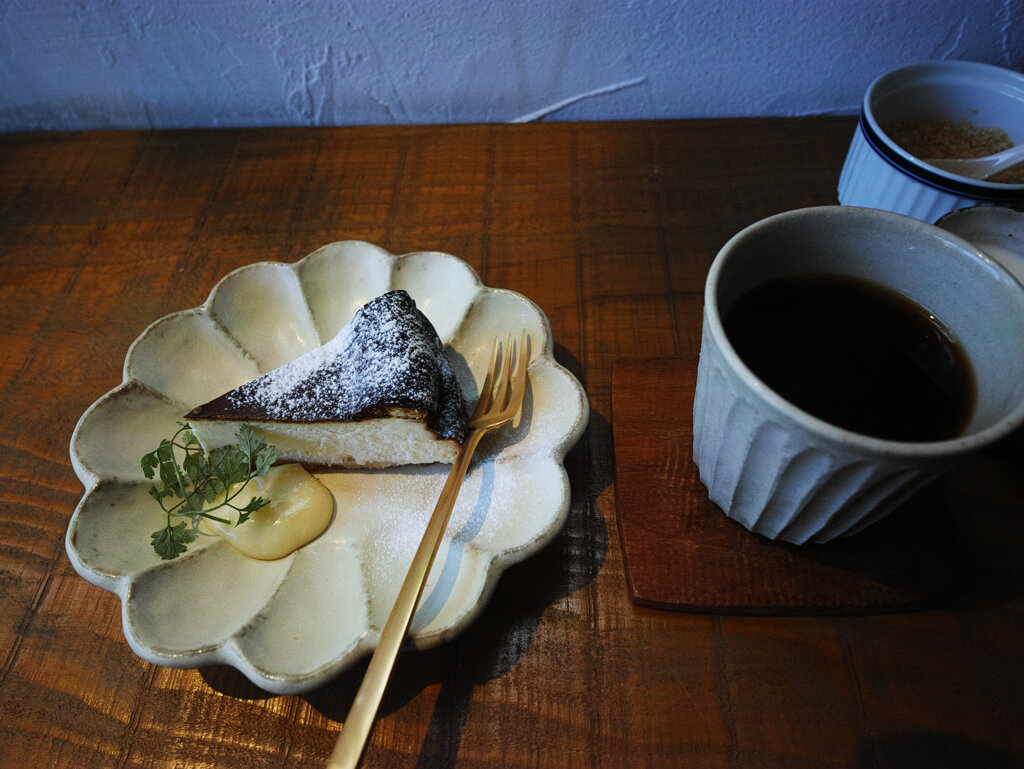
787	475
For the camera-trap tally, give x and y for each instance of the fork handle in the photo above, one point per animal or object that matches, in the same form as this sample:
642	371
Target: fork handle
357	726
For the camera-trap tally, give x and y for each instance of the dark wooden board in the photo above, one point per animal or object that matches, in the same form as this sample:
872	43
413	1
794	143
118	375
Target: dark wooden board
683	553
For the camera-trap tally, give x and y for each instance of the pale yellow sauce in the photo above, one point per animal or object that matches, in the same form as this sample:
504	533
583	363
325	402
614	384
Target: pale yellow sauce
299	511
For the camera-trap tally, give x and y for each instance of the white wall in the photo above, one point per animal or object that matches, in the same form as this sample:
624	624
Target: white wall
136	64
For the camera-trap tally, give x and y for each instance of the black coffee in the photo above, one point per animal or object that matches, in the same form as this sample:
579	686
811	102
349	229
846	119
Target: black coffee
857	355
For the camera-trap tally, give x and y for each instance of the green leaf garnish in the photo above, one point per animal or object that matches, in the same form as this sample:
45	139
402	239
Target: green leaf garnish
201	479
171	541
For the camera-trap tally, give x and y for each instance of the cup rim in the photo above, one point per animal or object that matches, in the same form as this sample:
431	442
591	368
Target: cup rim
916	450
917	168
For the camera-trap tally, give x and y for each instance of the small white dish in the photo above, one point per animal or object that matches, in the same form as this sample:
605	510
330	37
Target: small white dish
997	231
291	625
878	173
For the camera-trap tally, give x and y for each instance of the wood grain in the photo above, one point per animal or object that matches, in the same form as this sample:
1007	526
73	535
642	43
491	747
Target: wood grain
610	228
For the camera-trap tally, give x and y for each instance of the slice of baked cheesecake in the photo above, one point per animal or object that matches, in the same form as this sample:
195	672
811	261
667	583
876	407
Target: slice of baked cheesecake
381	393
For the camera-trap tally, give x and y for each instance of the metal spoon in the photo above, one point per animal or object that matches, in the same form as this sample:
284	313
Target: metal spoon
981	168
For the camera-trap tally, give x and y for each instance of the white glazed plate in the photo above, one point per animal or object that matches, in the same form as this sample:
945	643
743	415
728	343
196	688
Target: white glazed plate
292	624
997	231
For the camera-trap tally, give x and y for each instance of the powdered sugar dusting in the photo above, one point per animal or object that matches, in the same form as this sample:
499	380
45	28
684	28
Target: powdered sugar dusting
387	357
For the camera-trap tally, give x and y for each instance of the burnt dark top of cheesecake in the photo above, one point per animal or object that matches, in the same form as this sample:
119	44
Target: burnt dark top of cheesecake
387	357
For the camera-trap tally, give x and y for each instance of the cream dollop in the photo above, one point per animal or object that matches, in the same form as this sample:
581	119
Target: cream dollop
299	511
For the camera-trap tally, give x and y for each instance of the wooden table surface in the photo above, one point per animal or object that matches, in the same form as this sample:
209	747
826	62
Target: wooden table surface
610	228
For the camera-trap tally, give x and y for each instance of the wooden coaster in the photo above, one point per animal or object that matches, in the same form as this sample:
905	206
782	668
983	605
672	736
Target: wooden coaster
682	553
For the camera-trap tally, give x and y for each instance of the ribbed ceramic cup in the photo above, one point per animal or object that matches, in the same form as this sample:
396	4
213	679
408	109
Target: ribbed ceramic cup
790	476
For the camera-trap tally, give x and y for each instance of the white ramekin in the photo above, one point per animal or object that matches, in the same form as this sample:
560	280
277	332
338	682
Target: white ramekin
880	174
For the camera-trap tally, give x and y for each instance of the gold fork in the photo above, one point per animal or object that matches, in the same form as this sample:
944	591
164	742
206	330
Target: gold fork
501	397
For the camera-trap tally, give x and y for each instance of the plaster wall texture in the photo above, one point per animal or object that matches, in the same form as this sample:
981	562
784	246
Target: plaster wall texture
94	64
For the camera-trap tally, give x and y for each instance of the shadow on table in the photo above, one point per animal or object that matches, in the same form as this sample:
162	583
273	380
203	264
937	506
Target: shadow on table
988	496
956	544
504	631
932	750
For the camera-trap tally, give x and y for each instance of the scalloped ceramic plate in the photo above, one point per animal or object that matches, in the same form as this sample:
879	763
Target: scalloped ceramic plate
292	624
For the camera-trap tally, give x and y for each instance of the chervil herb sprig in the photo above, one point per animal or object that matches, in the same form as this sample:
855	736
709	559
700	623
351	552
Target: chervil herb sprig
185	489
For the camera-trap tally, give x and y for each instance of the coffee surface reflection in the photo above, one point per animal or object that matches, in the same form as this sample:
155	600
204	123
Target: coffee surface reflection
857	355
